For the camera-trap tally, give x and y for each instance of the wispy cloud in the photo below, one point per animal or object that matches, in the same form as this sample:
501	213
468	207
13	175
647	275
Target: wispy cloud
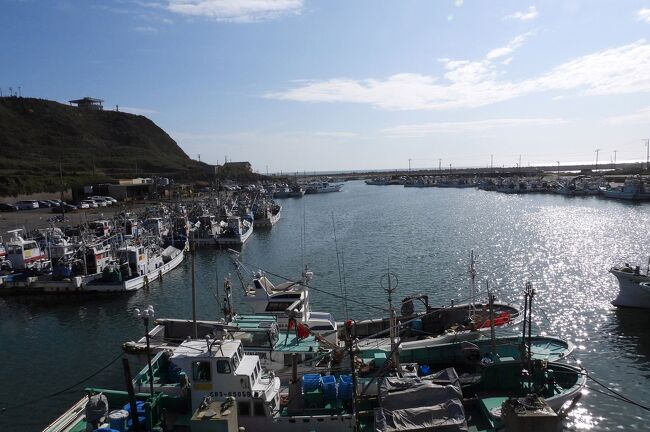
527	15
424	129
470	84
138	111
640	117
264	136
508	49
239	11
643	15
146	29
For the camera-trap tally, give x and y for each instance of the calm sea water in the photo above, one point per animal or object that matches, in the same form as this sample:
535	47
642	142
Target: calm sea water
563	246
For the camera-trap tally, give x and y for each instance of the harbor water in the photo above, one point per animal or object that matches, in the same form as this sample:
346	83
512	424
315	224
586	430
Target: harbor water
563	246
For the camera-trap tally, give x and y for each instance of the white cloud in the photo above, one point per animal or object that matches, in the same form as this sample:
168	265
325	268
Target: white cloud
640	117
527	15
423	129
508	49
470	84
643	15
240	11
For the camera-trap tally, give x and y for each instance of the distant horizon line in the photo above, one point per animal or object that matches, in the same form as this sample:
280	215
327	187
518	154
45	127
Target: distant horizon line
443	168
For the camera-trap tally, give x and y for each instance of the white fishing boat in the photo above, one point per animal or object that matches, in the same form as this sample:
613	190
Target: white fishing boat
268	215
634	286
136	267
259	335
236	231
213	385
26	255
323	187
288	301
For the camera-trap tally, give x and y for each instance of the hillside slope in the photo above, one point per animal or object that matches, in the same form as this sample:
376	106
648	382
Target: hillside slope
37	135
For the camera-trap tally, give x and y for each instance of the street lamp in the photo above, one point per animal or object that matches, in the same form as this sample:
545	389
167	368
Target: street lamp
145	315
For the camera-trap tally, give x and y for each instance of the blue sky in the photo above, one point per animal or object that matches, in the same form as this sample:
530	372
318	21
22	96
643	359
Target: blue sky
302	85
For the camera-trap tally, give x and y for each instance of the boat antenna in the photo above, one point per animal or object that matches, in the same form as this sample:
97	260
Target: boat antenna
338	262
389	282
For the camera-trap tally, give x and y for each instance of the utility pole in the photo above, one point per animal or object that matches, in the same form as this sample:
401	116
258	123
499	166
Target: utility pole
267	170
615	156
439	164
491	161
647	157
409	166
558	169
597	151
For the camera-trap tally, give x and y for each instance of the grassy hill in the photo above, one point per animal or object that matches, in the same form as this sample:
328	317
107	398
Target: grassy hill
36	136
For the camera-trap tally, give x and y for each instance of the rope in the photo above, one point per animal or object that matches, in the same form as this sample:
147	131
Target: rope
60	392
616	395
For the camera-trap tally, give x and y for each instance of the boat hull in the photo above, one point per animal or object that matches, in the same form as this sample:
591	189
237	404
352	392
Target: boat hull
631	292
136	283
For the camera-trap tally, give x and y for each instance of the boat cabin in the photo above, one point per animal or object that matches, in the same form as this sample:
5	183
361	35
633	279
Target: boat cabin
98	257
26	254
101	228
289	299
220	369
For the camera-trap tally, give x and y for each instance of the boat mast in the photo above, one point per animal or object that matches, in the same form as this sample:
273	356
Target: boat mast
391	285
472	287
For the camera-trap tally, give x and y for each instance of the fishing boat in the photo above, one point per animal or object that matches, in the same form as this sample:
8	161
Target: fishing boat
438	325
477	353
323	187
634	287
296	192
212	384
25	255
136	266
236	231
267	215
259	334
378	181
633	189
5	264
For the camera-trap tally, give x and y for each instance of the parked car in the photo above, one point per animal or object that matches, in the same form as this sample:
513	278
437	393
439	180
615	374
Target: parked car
7	207
64	208
44	204
101	202
27	204
55	203
83	205
101	199
111	199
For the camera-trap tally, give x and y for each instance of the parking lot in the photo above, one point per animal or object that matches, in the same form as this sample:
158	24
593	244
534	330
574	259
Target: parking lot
42	217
